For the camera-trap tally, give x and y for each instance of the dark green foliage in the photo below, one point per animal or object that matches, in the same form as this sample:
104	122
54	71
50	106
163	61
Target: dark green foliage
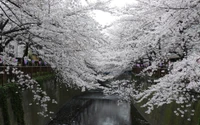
199	122
4	105
16	103
45	77
11	91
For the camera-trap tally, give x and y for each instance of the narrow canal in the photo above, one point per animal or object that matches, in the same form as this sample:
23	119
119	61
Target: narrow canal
100	110
93	108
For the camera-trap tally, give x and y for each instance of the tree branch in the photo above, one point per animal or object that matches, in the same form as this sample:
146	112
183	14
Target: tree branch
14	30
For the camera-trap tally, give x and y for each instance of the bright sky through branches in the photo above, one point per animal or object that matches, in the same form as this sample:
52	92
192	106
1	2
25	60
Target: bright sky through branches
122	3
105	18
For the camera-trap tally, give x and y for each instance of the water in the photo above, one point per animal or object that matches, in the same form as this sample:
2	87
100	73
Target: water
101	110
105	112
94	109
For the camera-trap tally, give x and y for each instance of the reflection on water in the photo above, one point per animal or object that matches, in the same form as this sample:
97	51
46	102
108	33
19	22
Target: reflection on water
101	110
97	109
105	112
87	108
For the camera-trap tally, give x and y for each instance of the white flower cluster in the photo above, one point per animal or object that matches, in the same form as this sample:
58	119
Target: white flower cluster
40	97
122	88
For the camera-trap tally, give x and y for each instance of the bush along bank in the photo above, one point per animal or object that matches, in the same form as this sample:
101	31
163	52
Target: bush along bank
44	77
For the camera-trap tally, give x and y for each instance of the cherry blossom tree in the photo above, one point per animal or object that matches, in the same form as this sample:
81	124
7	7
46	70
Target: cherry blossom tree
83	52
62	32
156	30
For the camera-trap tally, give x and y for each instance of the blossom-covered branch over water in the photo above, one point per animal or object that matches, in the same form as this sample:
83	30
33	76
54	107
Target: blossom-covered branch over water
83	52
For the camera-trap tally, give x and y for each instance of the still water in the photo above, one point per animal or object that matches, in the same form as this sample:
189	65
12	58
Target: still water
93	108
88	109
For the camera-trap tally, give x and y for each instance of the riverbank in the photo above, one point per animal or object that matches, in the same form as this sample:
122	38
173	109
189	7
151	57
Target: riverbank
11	107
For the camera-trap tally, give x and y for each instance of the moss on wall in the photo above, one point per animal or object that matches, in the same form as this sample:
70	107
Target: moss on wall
11	91
16	103
199	121
4	105
45	77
